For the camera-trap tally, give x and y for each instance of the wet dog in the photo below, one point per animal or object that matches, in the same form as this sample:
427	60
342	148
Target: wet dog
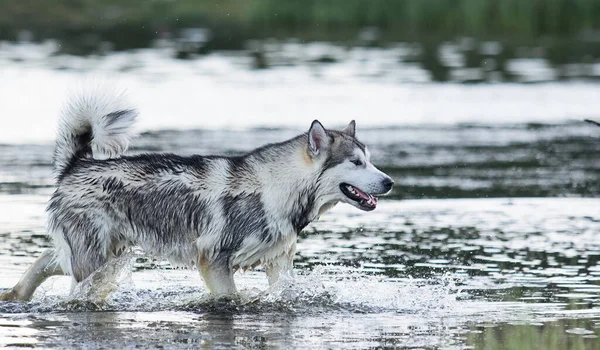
216	213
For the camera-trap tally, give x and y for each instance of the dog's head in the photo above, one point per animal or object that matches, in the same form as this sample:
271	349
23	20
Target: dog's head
347	174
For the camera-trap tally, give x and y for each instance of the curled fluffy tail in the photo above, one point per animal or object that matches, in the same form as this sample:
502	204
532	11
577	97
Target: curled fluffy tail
92	123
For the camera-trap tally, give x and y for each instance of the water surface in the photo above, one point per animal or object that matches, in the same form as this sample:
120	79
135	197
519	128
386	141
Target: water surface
433	273
426	273
490	238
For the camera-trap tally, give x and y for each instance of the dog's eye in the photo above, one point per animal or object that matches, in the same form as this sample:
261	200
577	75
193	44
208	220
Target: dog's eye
357	162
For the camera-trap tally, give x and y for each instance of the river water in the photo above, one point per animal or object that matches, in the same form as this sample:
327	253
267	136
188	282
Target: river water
491	238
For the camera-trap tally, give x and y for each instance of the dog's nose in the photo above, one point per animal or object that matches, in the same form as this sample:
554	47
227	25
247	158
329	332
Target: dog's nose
388	183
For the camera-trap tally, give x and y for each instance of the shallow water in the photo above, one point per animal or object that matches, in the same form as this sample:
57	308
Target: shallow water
490	239
433	273
422	273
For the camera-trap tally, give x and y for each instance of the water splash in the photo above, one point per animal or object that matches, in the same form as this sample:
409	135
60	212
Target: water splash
97	287
322	289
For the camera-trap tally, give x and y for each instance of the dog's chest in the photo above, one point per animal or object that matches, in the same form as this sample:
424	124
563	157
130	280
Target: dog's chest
254	252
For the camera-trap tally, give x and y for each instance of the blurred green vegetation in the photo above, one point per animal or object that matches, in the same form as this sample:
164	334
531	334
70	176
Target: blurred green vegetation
307	19
434	17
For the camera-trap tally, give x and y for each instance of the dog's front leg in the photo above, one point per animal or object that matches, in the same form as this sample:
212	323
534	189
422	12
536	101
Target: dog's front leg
282	266
217	275
44	267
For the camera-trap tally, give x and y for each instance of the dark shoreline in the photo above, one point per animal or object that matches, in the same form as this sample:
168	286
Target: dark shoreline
130	24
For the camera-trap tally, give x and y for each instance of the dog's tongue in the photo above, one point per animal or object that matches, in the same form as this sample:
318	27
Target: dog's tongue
367	197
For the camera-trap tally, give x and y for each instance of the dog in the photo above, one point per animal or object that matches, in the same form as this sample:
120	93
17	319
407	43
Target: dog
216	213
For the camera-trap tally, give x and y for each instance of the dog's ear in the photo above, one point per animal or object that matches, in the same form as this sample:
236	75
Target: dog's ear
318	141
350	129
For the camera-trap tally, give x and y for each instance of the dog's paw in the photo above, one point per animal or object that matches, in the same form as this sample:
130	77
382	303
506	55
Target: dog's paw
9	295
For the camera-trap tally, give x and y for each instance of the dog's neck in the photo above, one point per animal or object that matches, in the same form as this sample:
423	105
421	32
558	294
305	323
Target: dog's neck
291	182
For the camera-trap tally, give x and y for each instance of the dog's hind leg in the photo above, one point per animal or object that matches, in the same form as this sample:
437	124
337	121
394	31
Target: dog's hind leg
96	264
44	267
88	244
218	277
102	282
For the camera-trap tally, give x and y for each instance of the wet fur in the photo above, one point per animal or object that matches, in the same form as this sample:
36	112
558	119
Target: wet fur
178	208
216	213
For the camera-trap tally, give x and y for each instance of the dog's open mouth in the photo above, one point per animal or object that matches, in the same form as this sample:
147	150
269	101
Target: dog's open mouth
364	200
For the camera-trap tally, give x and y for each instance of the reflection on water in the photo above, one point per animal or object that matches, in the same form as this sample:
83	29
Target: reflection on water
222	91
465	160
464	60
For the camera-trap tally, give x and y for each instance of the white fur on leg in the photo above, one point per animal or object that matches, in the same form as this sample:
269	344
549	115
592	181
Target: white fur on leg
219	281
44	267
73	286
282	266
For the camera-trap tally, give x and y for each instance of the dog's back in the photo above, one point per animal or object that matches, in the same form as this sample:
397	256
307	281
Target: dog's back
180	208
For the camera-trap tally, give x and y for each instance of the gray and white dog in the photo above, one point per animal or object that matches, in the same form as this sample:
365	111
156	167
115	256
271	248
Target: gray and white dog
217	213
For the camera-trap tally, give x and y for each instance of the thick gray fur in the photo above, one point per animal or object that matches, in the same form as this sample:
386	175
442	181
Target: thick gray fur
216	213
